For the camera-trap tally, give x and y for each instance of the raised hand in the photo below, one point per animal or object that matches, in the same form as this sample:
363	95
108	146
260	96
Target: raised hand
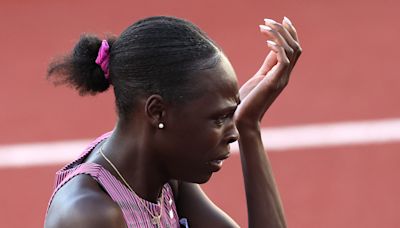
260	91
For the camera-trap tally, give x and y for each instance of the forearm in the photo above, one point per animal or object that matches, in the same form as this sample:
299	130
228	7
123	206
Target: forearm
263	202
257	95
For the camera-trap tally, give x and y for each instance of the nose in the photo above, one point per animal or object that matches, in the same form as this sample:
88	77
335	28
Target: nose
232	134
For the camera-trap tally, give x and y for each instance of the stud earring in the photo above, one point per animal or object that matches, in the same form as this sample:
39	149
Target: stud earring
160	125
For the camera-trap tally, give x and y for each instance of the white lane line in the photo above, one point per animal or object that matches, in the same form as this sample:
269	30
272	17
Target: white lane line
39	154
275	139
334	134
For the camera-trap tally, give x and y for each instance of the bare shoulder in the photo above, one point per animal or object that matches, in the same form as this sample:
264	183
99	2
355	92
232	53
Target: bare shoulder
82	203
174	184
193	204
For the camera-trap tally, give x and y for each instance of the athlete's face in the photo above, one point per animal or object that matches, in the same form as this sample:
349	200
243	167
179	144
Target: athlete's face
199	132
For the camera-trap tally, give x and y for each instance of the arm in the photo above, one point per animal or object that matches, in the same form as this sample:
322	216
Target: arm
86	206
263	201
86	213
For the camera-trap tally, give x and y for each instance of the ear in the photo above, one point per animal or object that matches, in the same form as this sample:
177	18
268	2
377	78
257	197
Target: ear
155	110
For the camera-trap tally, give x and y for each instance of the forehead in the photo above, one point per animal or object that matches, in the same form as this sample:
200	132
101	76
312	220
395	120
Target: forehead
219	81
217	88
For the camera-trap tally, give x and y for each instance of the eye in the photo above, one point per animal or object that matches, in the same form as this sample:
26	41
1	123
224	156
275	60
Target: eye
221	120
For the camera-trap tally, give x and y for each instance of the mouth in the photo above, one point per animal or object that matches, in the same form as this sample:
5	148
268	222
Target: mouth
216	164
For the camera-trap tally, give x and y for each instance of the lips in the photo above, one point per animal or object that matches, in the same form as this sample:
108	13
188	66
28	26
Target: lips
216	164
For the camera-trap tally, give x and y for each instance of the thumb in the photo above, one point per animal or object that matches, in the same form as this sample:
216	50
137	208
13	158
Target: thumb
269	62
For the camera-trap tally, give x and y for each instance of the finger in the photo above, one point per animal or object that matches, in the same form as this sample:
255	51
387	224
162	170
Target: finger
249	86
286	29
287	23
274	34
286	35
277	38
291	29
269	87
268	63
278	77
280	52
282	30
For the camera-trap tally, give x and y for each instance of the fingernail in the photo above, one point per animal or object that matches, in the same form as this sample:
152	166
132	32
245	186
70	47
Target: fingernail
270	42
265	27
285	19
267	20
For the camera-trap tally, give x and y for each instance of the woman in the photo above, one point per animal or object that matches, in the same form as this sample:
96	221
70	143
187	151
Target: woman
179	108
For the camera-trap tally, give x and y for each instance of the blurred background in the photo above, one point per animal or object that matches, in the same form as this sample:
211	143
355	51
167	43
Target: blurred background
333	136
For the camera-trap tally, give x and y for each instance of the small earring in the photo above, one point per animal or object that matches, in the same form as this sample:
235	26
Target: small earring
160	125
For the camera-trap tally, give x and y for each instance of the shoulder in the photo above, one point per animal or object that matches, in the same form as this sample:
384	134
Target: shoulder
82	203
192	203
174	184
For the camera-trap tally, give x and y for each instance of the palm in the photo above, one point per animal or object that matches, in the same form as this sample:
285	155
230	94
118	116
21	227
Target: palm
261	90
258	93
268	64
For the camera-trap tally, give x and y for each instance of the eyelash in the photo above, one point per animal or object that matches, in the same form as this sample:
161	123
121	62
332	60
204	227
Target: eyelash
220	121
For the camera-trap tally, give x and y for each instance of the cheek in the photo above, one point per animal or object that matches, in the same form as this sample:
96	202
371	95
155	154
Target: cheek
192	148
194	144
201	138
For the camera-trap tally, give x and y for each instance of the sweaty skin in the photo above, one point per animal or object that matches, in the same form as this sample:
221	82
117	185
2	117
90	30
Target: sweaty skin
195	136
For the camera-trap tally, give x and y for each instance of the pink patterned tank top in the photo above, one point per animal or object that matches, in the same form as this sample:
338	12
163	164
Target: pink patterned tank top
133	210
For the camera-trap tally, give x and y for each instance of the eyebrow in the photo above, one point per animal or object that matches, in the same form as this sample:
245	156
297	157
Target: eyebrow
228	108
238	101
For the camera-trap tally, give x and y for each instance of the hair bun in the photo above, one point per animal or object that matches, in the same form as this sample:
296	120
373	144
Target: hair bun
79	69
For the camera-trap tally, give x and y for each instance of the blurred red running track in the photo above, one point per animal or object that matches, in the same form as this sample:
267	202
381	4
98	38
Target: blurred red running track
346	73
275	139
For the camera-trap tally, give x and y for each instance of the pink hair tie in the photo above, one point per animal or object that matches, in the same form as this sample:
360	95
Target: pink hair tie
103	58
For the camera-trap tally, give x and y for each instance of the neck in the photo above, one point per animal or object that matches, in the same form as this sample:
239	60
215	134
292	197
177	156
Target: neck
131	152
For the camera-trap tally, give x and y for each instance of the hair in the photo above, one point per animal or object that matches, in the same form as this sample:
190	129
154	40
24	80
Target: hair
155	55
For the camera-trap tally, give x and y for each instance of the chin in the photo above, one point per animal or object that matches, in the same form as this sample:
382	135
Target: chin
198	179
202	179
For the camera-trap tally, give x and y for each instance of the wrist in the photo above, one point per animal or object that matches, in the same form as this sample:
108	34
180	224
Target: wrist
247	125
